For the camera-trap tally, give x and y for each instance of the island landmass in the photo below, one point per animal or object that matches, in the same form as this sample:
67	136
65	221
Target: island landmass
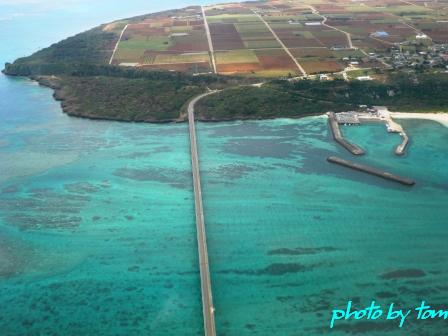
147	68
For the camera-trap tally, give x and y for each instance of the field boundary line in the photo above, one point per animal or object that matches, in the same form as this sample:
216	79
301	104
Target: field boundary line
412	4
143	64
324	23
116	45
209	39
302	70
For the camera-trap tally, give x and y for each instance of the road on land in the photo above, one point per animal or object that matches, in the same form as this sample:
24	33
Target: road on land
209	40
301	69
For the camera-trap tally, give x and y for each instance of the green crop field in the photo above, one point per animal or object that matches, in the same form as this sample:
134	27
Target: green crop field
182	58
236	56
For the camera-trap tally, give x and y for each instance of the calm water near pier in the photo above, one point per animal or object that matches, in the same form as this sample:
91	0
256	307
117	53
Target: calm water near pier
97	231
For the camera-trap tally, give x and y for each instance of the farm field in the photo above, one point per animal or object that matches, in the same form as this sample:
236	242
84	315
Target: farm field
165	41
279	37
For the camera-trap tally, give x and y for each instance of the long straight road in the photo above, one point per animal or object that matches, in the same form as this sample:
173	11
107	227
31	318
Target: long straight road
118	42
206	288
209	40
324	23
301	69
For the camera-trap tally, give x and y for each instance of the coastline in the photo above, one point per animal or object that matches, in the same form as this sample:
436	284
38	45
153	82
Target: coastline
441	117
69	107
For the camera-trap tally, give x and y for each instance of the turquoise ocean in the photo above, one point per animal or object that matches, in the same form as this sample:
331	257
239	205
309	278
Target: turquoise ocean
97	226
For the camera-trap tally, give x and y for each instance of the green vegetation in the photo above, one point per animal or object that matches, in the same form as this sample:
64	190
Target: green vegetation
401	92
236	56
269	101
94	46
124	99
77	68
142	43
127	94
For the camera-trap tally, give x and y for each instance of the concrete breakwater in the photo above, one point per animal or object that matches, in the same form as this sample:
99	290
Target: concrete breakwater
370	170
337	136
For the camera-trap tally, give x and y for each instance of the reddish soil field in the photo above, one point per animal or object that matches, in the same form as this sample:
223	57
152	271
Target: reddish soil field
225	37
321	66
381	3
333	41
239	67
310	52
188	23
228	44
276	62
144	30
439	36
189	47
164	21
219	29
293	41
327	8
201	66
373	64
297	42
371	43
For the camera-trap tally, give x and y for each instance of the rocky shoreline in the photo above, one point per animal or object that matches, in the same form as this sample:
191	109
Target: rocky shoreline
70	107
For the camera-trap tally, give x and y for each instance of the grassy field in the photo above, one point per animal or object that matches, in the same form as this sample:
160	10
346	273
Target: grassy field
182	58
236	56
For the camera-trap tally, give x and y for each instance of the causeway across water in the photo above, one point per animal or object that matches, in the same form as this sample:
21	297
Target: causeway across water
206	287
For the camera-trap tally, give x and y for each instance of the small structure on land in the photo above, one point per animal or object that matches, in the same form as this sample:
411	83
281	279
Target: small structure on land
363	78
421	36
380	34
347	118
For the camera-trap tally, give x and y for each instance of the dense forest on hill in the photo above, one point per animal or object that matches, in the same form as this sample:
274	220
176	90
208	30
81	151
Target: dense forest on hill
162	96
401	92
125	99
91	47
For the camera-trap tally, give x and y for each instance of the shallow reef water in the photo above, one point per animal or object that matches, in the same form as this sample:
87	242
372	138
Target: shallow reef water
97	224
99	238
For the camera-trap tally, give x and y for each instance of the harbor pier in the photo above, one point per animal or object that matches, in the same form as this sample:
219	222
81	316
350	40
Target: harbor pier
383	115
337	136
